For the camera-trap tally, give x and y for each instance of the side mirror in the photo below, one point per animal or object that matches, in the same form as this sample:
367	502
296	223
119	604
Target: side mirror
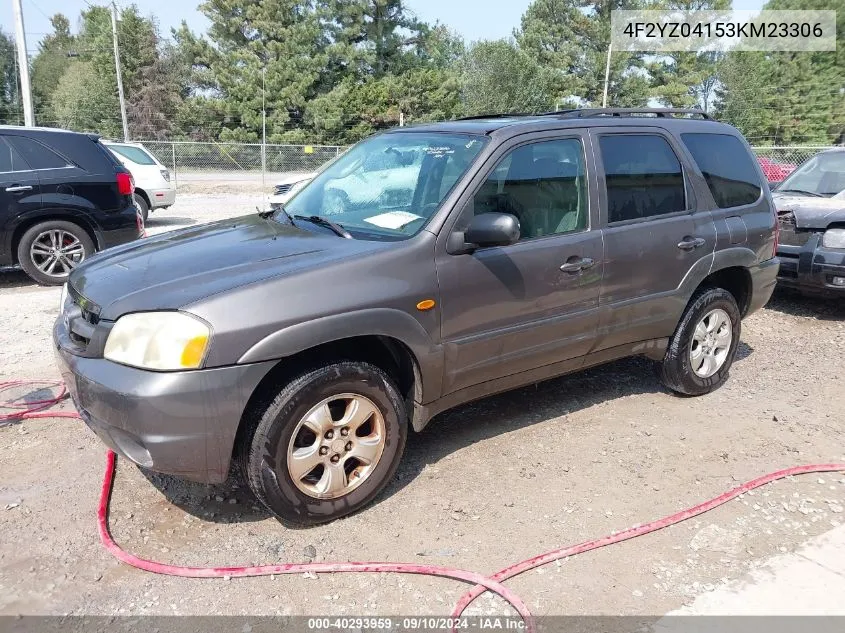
493	229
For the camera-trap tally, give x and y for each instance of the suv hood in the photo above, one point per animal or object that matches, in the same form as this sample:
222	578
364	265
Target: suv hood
811	212
175	269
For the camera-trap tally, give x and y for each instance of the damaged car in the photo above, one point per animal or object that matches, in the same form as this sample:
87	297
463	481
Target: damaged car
811	213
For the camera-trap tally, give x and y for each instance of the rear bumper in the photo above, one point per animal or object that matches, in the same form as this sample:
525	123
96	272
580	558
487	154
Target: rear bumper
763	281
812	267
162	197
179	423
118	227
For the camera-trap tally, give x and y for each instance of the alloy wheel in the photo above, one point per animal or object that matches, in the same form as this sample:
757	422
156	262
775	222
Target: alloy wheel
711	343
56	252
336	446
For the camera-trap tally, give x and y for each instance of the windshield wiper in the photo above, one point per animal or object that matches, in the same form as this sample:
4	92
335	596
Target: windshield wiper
321	221
806	193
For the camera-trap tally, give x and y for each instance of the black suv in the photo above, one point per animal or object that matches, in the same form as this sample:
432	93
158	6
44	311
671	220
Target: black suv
63	196
487	254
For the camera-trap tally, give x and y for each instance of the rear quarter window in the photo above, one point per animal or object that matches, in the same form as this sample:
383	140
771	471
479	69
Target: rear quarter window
37	155
727	168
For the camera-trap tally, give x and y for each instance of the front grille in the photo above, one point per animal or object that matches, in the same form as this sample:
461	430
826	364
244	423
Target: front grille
283	189
790	234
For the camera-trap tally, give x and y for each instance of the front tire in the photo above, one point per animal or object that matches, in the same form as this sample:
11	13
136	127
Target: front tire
327	444
703	348
49	250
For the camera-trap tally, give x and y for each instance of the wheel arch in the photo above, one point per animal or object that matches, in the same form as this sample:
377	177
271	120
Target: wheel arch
389	354
27	223
145	196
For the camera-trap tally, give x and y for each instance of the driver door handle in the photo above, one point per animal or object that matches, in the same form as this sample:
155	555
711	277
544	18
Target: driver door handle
17	188
690	243
577	265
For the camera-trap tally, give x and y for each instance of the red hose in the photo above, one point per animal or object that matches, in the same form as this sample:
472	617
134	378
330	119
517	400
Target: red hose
482	583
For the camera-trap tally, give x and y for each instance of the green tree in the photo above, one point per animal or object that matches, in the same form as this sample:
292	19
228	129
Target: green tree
571	39
498	77
11	110
786	98
687	79
269	53
84	100
48	66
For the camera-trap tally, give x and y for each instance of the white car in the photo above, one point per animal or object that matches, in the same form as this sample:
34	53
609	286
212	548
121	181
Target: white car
288	186
153	187
391	177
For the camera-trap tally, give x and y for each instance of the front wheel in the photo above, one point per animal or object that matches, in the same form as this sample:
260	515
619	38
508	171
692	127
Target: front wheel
327	444
703	348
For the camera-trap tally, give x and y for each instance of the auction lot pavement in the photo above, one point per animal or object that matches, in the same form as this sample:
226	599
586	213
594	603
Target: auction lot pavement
485	485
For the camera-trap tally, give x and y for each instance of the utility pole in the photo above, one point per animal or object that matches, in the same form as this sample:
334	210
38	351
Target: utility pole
263	128
23	65
606	75
117	68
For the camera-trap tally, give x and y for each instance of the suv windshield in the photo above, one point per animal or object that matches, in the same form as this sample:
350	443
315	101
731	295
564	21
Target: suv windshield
135	154
823	175
388	186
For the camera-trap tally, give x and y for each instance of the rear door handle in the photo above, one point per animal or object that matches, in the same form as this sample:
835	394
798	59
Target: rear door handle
577	265
18	188
689	243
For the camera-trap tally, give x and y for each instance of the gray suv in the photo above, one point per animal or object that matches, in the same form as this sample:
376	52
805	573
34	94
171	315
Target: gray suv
300	345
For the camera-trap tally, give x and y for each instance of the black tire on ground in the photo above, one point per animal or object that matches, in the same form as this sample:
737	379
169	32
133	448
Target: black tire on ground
142	205
263	455
30	266
676	371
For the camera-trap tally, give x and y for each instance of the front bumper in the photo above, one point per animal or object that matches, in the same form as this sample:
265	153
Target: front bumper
162	198
812	267
179	423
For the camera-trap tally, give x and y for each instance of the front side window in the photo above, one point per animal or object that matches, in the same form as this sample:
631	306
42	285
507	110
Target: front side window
727	168
36	155
389	186
822	175
543	184
135	154
643	176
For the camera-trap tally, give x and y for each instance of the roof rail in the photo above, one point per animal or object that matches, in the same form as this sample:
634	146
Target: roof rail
658	112
496	115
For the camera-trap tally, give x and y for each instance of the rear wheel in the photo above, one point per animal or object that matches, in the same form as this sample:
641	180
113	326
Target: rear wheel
142	205
703	347
327	444
49	250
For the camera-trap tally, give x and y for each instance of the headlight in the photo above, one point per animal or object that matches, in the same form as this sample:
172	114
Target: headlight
834	238
166	341
62	299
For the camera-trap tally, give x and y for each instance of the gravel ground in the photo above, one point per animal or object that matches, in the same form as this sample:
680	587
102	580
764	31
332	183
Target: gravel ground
485	485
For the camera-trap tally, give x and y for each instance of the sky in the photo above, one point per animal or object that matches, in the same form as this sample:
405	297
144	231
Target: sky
474	19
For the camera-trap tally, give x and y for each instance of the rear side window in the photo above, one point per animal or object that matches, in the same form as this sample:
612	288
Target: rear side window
135	154
727	168
36	155
10	159
643	177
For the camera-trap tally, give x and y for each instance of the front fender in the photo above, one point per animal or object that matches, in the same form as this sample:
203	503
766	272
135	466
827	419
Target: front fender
373	322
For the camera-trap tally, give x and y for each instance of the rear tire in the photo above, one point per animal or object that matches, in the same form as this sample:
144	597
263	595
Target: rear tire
142	205
702	350
351	464
48	251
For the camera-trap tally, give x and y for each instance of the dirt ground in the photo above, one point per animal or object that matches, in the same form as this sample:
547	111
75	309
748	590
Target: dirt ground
485	485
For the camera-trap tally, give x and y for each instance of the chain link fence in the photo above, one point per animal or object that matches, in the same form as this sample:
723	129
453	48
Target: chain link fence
252	170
